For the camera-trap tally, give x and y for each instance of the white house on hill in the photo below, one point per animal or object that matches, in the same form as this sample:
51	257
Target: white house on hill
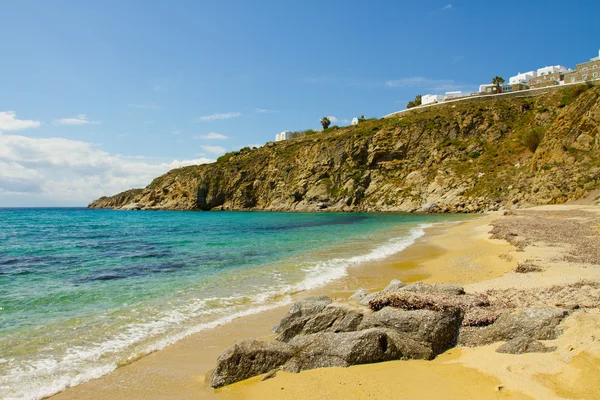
453	95
285	135
551	69
431	98
354	121
524	77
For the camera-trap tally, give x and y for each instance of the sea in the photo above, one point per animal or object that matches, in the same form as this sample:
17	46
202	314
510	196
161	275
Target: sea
83	290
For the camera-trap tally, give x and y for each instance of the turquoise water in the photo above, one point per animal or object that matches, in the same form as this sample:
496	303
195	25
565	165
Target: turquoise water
83	290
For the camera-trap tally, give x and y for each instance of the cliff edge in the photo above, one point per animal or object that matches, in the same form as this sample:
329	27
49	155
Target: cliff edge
459	157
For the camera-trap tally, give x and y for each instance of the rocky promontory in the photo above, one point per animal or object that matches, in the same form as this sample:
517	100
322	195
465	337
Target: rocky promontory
459	157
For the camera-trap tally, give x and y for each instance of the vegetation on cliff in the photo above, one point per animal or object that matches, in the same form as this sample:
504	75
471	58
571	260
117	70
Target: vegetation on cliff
458	157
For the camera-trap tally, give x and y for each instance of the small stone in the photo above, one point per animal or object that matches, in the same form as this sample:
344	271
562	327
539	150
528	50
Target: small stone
499	387
522	345
269	375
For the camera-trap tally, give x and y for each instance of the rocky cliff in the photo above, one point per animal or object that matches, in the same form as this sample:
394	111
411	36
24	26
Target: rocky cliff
457	157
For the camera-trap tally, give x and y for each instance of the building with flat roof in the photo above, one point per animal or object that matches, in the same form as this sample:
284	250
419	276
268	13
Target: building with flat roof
514	87
285	135
431	99
488	88
548	76
587	71
524	77
453	95
551	70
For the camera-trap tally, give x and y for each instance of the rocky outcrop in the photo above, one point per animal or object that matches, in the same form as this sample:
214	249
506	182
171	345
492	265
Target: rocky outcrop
250	358
538	323
458	157
414	321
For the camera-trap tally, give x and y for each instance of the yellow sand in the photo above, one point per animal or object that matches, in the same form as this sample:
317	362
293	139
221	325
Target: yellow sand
459	254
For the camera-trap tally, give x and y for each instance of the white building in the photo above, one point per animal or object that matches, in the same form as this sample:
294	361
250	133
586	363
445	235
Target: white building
285	135
453	95
488	88
431	98
524	77
551	69
354	121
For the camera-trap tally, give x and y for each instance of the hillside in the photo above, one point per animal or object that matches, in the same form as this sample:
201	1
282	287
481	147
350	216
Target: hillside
460	157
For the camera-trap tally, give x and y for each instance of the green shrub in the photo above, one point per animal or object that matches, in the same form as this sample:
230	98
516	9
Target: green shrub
571	93
533	138
227	156
474	154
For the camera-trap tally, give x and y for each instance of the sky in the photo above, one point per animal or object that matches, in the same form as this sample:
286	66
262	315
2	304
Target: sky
100	96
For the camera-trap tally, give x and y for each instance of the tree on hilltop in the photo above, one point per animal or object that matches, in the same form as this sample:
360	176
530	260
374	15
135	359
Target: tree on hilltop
415	102
325	122
498	81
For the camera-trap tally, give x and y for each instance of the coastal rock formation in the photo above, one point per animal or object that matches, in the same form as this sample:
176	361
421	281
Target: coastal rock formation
535	322
436	330
328	349
249	358
470	156
402	324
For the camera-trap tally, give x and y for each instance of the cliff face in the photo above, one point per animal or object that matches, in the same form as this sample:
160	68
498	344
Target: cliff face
457	157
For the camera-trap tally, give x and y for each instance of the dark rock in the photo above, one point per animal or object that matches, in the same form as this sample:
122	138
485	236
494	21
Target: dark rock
293	321
327	349
249	358
332	318
523	344
535	322
438	330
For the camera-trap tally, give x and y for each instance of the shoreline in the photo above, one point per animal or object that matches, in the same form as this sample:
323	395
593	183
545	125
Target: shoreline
412	264
455	253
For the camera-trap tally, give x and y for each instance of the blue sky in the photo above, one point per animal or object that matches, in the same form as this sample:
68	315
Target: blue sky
108	94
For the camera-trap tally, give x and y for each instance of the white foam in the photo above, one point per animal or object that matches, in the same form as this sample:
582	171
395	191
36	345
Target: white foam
40	378
327	271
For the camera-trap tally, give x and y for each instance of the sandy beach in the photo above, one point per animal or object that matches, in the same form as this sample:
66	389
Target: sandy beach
460	253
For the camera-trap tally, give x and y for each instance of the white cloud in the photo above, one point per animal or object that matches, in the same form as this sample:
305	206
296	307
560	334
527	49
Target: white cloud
447	7
176	132
219	116
9	122
145	106
211	136
332	119
264	110
214	149
81	119
436	85
57	171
